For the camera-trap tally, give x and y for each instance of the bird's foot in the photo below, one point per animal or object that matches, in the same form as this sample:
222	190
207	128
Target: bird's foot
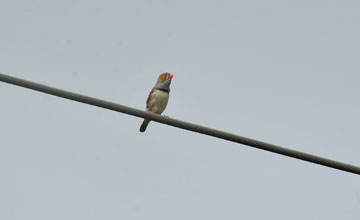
152	113
165	116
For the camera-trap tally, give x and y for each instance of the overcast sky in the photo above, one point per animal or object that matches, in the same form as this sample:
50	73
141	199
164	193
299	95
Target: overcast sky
284	72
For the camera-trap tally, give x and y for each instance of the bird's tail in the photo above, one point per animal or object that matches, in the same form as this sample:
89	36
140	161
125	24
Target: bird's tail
144	125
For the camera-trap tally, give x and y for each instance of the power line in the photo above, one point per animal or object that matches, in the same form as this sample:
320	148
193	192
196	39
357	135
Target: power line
180	124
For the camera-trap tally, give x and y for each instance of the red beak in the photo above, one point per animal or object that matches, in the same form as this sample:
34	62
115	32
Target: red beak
171	75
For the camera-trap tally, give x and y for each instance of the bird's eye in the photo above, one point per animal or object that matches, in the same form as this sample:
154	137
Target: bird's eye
162	77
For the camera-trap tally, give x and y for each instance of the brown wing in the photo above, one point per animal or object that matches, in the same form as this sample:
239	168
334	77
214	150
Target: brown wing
148	99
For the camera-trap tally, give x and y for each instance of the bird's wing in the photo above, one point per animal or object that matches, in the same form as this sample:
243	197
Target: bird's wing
149	97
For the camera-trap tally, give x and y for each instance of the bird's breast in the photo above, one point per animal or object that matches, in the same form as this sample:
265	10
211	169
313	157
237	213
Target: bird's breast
158	101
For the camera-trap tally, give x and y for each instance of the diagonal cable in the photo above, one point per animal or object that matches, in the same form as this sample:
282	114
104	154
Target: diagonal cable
181	124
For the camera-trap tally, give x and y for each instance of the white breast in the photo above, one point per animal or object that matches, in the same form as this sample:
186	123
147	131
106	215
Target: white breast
158	101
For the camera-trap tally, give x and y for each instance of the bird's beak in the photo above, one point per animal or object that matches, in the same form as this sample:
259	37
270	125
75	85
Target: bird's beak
171	75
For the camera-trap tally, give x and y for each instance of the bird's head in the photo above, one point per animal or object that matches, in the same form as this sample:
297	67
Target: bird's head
164	81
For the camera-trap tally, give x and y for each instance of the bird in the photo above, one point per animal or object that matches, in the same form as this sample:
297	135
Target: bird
158	97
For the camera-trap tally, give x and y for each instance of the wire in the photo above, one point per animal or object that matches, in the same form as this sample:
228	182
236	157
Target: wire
181	124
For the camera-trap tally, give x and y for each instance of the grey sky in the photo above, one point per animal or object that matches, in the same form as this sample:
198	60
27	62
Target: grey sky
285	72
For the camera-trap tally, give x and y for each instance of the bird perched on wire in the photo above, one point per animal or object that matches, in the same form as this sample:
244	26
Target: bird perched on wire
158	97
